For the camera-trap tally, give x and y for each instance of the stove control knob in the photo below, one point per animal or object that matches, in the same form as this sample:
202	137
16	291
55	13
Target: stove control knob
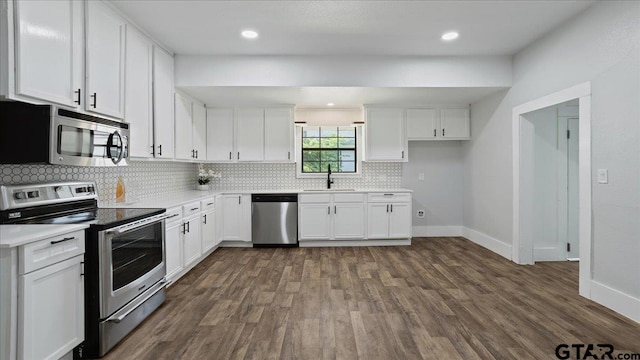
20	195
33	194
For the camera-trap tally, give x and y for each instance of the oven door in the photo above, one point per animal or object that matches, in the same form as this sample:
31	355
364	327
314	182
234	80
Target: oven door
88	143
131	260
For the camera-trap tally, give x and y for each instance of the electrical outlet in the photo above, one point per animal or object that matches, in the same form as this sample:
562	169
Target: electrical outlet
420	214
603	176
421	176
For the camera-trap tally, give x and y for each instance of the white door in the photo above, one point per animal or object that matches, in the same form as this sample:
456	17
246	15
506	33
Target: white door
399	220
231	217
314	221
385	135
173	248
278	135
454	123
348	220
51	310
138	93
220	134
199	137
47	59
104	60
573	201
163	121
250	134
209	239
192	240
378	221
184	128
422	124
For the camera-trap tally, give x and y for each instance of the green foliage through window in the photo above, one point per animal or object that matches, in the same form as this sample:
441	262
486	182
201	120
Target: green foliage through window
323	146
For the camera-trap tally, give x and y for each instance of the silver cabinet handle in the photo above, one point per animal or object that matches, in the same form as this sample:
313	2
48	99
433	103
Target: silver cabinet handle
63	240
133	305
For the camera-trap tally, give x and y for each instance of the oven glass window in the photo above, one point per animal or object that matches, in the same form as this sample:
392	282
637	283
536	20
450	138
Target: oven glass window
75	141
135	253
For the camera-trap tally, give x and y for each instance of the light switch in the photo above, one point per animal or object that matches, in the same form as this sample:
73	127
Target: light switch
421	176
603	176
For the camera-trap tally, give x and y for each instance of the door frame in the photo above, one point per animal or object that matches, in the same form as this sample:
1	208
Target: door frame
522	249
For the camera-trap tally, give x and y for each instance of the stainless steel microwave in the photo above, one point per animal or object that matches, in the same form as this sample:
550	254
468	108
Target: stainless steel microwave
50	134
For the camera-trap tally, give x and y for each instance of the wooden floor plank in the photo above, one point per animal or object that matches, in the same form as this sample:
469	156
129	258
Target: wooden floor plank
440	298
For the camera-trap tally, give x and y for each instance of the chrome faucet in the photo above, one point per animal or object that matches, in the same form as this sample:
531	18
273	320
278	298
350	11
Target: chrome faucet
329	181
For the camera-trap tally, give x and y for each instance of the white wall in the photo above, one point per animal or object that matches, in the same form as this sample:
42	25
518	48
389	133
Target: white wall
439	194
601	45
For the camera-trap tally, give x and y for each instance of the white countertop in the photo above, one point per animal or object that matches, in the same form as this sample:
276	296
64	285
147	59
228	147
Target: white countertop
178	199
16	235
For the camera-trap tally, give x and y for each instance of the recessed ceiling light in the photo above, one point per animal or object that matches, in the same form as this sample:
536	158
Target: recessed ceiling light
330	104
448	36
249	34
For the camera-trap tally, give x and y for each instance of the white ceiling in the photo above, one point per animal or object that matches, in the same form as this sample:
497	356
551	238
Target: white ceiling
344	27
348	27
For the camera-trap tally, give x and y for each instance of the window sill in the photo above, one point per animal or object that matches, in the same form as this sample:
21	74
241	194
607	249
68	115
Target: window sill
324	176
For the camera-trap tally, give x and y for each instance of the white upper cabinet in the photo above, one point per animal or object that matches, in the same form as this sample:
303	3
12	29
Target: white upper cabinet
199	114
48	50
454	123
163	104
220	135
278	135
250	134
184	130
105	39
385	135
139	93
438	124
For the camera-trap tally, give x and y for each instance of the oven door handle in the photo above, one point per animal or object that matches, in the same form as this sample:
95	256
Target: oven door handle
124	228
119	316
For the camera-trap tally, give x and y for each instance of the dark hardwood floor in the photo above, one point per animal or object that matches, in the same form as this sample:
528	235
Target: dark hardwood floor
440	298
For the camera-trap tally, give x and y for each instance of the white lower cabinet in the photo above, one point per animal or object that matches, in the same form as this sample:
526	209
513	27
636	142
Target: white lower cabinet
173	244
235	217
192	240
209	236
389	216
331	216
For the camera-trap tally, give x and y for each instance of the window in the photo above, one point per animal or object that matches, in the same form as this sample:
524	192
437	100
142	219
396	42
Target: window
329	145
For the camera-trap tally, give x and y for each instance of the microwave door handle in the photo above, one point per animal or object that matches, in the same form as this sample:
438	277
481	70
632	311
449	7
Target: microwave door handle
120	147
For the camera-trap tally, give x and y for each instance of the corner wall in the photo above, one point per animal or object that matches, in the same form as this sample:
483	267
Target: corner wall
601	45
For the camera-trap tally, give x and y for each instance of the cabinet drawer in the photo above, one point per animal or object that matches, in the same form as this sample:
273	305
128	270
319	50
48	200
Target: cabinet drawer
208	203
175	215
43	253
340	198
314	198
389	197
191	208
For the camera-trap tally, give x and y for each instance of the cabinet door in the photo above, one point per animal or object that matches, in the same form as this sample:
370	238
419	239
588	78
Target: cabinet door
199	136
314	221
173	249
232	217
454	123
51	310
220	135
348	221
184	128
400	220
163	104
385	135
48	60
209	239
192	240
250	134
278	135
378	221
138	93
422	124
105	60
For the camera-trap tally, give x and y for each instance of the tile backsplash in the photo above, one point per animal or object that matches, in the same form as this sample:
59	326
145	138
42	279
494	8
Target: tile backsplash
143	179
258	176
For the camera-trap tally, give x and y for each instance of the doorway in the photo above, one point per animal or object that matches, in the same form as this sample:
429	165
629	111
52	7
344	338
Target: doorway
525	204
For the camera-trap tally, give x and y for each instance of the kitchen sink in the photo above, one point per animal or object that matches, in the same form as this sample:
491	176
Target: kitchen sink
329	190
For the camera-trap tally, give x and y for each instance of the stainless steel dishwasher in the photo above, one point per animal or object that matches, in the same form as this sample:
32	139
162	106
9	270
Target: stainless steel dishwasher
274	220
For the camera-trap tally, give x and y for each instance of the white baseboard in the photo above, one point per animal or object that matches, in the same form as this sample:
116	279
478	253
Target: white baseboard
549	254
433	231
501	248
339	243
616	300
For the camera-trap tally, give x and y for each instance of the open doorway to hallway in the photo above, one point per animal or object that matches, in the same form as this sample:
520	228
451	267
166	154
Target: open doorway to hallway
550	162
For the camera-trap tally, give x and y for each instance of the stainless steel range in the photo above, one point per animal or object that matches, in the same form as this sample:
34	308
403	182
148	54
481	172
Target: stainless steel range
124	260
